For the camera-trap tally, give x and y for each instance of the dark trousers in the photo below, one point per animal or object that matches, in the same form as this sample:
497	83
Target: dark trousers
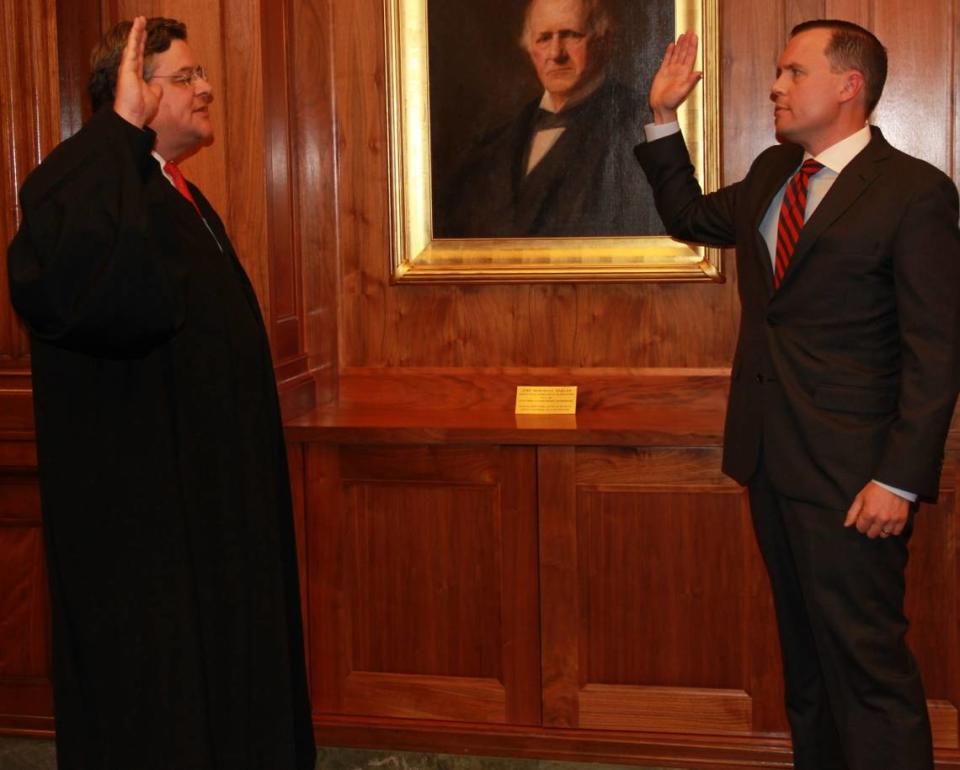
853	692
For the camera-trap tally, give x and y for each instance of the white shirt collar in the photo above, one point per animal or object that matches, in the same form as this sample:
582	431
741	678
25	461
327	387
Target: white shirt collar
837	156
159	158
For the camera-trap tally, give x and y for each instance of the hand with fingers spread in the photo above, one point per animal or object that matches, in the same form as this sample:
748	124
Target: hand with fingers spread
878	512
675	79
136	100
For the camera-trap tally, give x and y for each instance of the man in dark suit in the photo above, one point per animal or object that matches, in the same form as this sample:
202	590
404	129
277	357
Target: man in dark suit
563	166
844	379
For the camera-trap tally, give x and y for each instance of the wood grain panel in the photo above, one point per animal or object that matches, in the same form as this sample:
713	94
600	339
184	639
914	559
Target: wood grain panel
559	595
314	132
933	601
362	169
29	129
944	723
653	595
463	699
857	11
241	138
955	100
423	559
297	469
79	26
665	709
624	390
328	625
19	501
433	583
920	82
662	589
24	627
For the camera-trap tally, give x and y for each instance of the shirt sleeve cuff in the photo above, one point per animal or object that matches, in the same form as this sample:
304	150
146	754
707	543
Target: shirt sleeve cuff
654	131
910	496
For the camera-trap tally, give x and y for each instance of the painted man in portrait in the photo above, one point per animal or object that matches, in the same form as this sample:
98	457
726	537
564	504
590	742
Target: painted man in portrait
562	166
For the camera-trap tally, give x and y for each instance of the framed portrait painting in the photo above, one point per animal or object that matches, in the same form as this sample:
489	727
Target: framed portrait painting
512	126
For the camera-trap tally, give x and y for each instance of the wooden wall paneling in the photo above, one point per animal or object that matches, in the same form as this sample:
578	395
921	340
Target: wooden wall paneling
761	639
328	629
752	37
240	137
79	26
933	600
362	174
559	589
795	11
23	597
29	129
655	611
298	492
857	11
665	599
281	182
26	699
519	535
317	158
430	599
955	101
915	112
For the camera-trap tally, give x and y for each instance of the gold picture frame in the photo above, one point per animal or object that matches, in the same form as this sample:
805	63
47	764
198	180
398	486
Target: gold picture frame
418	257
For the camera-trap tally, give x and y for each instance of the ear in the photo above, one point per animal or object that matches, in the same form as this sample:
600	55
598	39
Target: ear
852	85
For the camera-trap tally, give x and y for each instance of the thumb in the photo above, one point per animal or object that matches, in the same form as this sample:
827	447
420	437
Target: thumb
854	511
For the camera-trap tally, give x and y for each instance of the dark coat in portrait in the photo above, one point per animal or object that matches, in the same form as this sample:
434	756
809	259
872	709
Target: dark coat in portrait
588	183
177	639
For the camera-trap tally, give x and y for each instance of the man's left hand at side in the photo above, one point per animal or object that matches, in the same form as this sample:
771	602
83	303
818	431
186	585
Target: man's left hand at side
878	512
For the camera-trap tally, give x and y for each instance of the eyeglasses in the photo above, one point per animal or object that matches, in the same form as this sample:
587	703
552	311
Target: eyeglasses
185	77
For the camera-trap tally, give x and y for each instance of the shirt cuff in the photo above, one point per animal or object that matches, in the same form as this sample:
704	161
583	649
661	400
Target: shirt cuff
910	496
654	131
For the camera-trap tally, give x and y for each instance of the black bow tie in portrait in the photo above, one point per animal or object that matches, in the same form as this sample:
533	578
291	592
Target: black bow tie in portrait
546	119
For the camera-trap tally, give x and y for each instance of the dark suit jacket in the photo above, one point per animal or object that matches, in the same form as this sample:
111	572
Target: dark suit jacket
586	185
850	370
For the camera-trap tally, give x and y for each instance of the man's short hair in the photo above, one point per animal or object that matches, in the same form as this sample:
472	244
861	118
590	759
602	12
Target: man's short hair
105	57
853	47
599	22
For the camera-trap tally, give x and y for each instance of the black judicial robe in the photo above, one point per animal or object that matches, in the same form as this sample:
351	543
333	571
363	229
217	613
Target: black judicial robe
177	639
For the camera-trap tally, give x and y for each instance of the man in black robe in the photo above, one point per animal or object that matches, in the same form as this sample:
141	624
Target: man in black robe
563	166
177	639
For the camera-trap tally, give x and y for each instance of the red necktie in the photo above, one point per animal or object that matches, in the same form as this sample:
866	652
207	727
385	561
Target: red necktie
180	183
791	217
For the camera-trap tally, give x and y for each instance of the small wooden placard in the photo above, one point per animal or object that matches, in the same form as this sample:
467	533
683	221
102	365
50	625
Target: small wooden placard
560	399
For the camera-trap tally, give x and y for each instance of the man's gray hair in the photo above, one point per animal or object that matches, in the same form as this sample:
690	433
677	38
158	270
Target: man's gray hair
599	21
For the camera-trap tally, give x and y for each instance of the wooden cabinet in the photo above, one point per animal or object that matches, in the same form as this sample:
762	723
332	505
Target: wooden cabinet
603	602
422	577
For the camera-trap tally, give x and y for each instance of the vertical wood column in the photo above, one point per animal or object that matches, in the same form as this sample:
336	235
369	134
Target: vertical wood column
29	129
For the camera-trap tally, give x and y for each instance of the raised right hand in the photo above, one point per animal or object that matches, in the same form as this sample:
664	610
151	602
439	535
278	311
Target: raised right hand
136	101
675	79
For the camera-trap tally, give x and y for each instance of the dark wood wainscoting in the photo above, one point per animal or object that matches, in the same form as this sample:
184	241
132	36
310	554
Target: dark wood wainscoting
583	587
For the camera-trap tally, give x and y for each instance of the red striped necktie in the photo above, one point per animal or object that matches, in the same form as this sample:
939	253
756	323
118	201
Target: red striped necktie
791	217
180	183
